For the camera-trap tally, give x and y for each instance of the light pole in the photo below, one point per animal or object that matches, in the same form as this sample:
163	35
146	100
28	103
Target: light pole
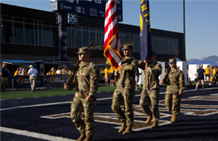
184	27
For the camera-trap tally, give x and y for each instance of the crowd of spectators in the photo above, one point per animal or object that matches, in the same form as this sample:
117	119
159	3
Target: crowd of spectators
21	71
203	75
59	71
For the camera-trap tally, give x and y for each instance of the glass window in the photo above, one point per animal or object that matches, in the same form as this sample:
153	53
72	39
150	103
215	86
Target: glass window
40	33
7	18
102	37
0	30
98	37
78	38
68	37
92	35
55	36
28	21
7	31
18	20
29	34
36	35
85	36
46	36
138	44
131	40
121	38
134	43
18	33
78	27
72	37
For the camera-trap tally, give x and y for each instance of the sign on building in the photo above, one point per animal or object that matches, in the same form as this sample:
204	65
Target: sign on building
93	8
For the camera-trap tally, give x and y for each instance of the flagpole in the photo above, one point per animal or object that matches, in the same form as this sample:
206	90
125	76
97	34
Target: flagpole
184	27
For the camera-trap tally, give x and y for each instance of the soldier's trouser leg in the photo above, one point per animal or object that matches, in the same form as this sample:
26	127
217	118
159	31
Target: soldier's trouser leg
154	98
129	95
115	106
168	101
76	109
89	108
144	100
176	104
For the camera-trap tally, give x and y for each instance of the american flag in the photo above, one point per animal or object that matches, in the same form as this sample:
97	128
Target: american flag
111	35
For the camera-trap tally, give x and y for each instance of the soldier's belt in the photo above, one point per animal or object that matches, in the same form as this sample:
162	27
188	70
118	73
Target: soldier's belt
83	93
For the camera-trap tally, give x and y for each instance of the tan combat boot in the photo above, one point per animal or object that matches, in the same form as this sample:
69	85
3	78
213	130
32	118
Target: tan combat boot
123	127
128	130
81	138
88	138
174	118
155	124
149	118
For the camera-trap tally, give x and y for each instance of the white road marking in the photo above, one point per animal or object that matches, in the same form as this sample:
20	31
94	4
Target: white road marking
34	134
36	105
68	102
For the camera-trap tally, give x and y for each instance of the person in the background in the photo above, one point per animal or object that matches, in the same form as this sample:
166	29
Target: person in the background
136	79
62	71
115	76
53	71
111	76
58	72
207	72
213	80
16	73
4	76
65	71
48	73
12	71
106	75
33	74
215	71
20	70
200	77
25	72
70	72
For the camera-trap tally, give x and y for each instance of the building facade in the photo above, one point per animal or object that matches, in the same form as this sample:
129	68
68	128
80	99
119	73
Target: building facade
29	34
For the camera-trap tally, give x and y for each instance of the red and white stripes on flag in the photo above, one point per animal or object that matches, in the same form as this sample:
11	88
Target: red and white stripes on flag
111	35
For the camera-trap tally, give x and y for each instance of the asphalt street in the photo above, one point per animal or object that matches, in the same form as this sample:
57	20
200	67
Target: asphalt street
48	118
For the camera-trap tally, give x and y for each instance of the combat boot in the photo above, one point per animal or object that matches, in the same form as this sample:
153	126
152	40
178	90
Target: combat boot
123	127
174	118
81	138
88	138
149	117
128	130
155	124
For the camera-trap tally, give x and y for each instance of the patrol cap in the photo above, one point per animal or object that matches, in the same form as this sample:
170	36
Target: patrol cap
172	61
127	46
83	50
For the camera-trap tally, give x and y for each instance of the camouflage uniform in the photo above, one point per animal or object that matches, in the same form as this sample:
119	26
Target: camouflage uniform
175	84
125	90
151	88
86	81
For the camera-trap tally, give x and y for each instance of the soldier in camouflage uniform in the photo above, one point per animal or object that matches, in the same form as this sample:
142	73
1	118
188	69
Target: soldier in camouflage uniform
175	86
86	83
151	88
125	90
